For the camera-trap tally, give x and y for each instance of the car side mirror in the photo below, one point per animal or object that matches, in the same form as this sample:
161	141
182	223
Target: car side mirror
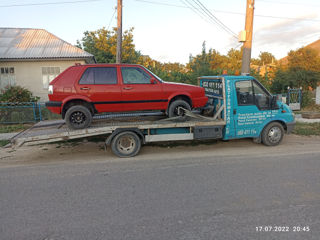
153	81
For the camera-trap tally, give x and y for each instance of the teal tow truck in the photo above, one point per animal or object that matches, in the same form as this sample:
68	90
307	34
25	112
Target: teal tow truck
238	107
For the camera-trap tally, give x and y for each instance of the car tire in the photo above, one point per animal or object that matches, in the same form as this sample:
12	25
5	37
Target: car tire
272	134
78	117
173	108
126	144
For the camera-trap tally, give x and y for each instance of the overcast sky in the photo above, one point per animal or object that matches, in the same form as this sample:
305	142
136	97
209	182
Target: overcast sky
171	33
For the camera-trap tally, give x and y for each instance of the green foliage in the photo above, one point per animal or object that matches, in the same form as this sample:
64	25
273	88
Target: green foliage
306	99
102	43
266	58
307	129
307	59
4	142
8	128
17	94
294	78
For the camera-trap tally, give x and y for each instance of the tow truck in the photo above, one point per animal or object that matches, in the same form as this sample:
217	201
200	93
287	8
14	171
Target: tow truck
238	107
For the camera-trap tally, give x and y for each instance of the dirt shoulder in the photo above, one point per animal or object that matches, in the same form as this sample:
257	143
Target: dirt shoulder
86	152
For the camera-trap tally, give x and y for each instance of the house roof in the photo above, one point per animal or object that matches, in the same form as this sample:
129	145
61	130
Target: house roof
27	43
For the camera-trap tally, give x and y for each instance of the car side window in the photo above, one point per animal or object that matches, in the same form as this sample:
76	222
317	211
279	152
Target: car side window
134	75
244	93
99	76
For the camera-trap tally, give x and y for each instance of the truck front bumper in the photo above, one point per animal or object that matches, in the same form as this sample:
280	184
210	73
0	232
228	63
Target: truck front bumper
290	126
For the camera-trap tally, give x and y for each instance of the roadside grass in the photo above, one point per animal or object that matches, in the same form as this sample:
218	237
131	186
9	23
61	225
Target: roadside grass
4	142
9	128
307	129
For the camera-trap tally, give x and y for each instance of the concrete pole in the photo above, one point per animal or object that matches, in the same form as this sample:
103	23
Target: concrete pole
247	45
119	32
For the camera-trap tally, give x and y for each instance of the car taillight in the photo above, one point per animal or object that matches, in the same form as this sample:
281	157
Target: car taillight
50	89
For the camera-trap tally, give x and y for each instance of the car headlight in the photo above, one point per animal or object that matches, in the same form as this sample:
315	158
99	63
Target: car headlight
50	89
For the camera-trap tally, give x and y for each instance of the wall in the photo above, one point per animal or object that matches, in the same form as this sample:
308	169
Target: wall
28	74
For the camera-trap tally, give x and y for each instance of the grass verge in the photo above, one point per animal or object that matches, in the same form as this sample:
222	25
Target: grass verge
4	142
307	129
8	128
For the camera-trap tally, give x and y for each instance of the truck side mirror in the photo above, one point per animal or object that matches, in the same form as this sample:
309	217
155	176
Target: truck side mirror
273	102
153	81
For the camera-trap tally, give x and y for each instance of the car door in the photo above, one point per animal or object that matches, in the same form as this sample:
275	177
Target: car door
100	84
251	108
140	90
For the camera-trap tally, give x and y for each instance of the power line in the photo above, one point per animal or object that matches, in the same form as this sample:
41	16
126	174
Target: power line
167	4
207	15
164	4
115	9
48	3
215	18
229	12
289	3
195	10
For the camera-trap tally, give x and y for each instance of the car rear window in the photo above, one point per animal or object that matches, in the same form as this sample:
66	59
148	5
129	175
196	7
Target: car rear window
99	75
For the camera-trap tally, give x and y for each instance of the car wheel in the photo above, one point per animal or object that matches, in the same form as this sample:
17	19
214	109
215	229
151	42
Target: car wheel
126	144
78	117
173	110
272	134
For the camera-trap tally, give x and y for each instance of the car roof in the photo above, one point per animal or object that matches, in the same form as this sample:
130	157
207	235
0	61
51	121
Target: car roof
109	65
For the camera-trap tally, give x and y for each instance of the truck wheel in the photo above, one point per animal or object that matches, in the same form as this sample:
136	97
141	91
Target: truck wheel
272	134
173	110
78	117
126	144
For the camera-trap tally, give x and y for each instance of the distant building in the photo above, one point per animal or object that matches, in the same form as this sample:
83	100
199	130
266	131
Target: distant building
33	57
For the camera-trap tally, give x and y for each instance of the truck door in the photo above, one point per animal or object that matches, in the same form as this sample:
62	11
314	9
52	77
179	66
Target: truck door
251	108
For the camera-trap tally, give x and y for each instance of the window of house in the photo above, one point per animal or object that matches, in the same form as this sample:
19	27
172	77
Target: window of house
7	77
48	74
99	76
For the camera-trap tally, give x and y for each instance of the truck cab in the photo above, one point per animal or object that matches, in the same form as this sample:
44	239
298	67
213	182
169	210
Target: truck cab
250	110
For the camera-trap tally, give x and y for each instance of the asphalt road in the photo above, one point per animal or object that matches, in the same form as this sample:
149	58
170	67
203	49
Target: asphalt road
241	191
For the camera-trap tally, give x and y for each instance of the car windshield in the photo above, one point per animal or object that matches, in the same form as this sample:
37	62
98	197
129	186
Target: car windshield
154	75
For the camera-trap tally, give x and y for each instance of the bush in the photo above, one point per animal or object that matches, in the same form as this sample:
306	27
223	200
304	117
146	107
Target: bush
17	94
307	99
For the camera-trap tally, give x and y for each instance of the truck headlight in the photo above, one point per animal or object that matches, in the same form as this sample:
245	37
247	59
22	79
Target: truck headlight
50	89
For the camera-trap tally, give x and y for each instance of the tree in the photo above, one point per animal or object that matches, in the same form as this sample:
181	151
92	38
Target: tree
266	58
304	58
102	43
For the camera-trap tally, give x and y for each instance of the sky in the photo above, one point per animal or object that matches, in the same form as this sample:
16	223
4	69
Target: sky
169	31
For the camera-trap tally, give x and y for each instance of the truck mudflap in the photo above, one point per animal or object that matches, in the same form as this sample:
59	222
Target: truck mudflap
290	126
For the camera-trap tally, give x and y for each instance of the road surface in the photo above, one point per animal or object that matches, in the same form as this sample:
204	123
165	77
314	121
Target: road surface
225	190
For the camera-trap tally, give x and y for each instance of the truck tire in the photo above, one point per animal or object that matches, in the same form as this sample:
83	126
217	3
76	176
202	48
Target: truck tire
173	110
272	134
126	144
78	117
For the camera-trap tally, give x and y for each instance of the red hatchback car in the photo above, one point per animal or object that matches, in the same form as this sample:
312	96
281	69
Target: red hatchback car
84	90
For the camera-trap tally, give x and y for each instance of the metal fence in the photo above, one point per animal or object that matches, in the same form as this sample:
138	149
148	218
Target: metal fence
26	112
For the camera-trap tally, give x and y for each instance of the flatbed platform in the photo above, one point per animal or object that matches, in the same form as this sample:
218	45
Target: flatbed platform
54	131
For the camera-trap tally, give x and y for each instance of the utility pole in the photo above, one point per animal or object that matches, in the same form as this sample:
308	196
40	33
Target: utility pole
247	45
119	32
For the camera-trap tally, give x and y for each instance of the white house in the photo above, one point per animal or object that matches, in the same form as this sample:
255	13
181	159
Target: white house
33	57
